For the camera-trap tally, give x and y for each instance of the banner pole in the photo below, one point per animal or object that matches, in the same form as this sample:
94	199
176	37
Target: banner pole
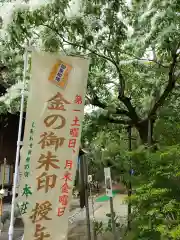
2	186
11	227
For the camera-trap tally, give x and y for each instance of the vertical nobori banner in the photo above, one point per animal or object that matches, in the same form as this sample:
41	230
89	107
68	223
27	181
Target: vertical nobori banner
51	144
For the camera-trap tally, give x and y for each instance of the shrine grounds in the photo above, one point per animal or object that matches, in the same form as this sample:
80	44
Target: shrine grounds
77	221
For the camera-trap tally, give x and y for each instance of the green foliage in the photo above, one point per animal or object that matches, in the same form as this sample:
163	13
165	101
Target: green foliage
167	126
124	79
100	227
133	77
116	220
156	202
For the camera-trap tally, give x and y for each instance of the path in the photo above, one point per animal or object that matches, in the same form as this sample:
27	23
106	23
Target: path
101	209
119	207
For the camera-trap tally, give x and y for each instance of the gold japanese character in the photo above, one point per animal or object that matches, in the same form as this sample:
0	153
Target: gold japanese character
41	211
51	119
46	181
57	102
39	233
47	161
50	139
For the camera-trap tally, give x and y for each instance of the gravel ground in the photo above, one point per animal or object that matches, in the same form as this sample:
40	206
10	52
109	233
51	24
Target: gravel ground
18	232
77	215
18	228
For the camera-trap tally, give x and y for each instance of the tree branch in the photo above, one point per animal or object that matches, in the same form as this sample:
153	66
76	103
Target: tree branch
138	59
125	100
131	110
170	86
96	102
78	45
2	89
122	112
120	121
3	68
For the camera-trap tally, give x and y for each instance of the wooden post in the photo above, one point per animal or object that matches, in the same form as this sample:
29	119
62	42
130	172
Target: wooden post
109	193
130	183
113	218
85	165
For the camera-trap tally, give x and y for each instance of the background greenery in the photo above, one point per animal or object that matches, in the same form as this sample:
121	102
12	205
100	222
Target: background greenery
133	79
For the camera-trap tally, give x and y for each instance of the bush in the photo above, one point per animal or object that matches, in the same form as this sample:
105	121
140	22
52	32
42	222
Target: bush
156	204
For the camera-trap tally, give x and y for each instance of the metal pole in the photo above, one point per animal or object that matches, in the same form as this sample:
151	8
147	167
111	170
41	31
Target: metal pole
86	197
3	181
130	183
2	191
113	217
11	227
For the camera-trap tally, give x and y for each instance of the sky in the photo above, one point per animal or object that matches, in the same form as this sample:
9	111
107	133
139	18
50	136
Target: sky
6	13
7	9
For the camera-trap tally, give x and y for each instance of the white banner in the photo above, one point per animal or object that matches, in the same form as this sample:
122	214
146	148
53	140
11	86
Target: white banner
51	144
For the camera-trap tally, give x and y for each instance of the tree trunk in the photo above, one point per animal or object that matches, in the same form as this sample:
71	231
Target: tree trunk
143	130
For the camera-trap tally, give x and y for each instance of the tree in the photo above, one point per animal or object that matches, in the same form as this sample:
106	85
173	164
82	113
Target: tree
133	80
100	30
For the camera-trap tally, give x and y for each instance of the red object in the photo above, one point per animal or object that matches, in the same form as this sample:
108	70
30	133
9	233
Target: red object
69	164
74	132
63	200
61	211
76	122
65	188
78	99
72	143
67	176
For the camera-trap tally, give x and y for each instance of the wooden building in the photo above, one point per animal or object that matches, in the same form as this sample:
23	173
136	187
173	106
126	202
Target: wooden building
9	124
